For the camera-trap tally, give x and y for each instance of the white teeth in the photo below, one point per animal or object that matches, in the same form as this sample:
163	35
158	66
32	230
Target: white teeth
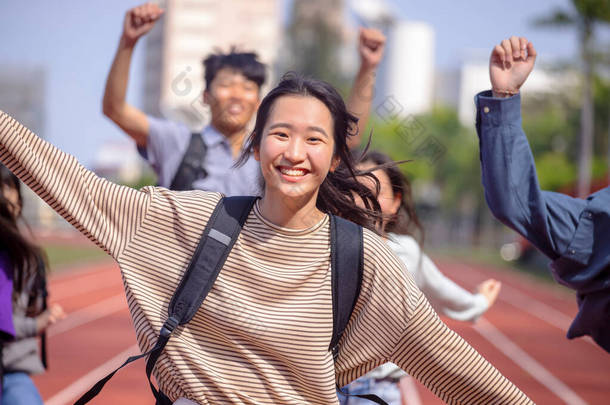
293	172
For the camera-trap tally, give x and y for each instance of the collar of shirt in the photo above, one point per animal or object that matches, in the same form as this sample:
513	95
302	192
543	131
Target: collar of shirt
212	137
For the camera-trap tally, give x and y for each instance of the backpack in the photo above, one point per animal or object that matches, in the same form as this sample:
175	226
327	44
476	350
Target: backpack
191	167
216	243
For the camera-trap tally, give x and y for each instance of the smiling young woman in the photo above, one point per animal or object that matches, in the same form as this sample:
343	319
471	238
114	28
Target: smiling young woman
263	332
295	158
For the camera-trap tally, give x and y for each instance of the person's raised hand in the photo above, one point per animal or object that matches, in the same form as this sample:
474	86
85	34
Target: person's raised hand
510	64
138	21
490	290
371	44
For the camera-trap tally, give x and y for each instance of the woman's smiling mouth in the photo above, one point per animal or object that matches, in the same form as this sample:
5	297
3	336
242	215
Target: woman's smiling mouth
292	173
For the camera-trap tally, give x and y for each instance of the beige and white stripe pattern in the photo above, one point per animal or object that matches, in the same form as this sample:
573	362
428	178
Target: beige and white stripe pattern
262	334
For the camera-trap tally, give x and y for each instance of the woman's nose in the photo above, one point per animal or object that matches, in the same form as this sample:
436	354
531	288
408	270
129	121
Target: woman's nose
295	150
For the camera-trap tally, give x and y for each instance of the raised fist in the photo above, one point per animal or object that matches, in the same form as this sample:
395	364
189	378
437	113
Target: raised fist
510	64
371	44
139	20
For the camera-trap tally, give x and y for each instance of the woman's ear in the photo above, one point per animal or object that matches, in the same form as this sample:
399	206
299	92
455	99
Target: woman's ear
257	153
396	201
335	163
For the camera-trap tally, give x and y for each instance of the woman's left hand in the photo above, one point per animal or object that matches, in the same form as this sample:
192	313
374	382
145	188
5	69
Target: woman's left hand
490	290
51	315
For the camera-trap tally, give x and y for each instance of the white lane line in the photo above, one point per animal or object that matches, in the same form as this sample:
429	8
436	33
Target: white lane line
533	306
89	314
408	391
71	393
523	301
536	308
85	285
527	363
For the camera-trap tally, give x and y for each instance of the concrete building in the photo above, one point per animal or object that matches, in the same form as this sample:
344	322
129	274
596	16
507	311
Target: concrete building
192	29
119	161
23	97
410	66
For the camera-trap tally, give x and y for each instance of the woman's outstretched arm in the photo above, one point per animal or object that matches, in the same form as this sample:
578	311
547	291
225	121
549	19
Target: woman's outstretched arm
393	322
452	369
106	213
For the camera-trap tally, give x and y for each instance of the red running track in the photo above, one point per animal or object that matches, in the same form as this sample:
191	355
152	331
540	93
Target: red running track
523	335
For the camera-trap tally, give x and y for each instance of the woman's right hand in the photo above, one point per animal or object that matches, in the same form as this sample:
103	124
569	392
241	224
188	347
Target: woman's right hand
51	315
138	21
490	290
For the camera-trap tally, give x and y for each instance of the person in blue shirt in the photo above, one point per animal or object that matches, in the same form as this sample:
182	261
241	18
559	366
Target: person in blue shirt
574	233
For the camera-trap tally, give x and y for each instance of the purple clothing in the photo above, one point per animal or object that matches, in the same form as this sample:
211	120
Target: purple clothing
7	329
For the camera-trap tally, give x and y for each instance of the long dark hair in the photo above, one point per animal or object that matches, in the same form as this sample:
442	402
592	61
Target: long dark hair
25	257
405	220
336	191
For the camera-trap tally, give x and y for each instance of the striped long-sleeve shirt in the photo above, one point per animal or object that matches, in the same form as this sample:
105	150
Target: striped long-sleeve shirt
262	334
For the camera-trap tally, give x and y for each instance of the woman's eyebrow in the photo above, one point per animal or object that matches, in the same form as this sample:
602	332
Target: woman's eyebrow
290	126
318	129
281	125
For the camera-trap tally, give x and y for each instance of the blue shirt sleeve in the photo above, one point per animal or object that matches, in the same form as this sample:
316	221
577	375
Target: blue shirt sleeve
547	219
166	144
574	233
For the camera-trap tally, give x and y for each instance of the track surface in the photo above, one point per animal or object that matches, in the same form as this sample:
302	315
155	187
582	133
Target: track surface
523	335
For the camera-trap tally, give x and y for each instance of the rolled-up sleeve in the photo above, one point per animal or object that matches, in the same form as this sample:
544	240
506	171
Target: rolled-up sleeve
547	219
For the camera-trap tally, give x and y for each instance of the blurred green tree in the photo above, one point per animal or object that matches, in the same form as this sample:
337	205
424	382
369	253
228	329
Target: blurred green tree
315	38
551	122
585	16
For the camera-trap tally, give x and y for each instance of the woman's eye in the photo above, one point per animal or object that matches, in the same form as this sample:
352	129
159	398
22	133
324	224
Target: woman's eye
280	134
314	139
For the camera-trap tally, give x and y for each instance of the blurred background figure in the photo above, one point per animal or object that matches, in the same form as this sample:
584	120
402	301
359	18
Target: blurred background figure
404	234
21	356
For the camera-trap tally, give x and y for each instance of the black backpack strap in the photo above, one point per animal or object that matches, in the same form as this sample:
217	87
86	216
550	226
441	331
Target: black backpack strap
216	242
347	266
346	255
44	292
191	167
